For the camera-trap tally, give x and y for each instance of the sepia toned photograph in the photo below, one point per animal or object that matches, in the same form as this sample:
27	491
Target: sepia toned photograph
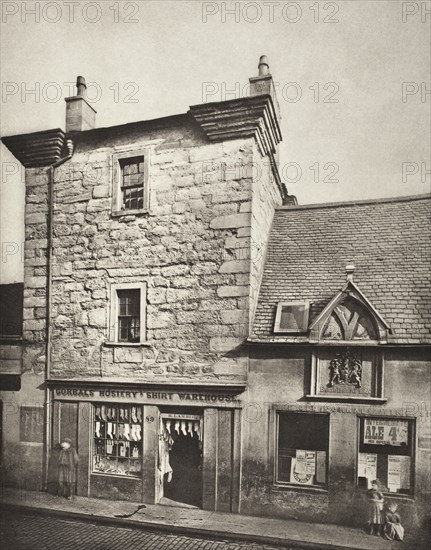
215	275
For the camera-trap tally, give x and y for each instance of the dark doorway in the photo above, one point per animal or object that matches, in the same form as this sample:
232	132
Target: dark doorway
185	459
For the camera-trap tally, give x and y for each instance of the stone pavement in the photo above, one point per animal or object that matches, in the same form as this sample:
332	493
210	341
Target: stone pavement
24	531
216	525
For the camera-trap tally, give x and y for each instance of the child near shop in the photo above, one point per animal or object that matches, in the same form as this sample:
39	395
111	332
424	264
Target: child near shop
393	530
376	516
67	462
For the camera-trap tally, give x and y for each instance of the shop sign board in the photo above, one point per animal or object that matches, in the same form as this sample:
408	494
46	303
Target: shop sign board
383	431
198	398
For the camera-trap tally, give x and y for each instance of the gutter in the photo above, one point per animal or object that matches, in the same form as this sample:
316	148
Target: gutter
50	234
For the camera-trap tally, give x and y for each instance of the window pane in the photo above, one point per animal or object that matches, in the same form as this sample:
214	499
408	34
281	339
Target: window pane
385	454
132	182
117	446
303	448
133	198
129	315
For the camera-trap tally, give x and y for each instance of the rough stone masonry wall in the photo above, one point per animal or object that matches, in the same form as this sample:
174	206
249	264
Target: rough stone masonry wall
265	197
35	271
186	250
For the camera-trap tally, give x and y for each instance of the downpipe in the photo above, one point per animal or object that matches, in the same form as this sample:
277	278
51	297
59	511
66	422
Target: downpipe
50	235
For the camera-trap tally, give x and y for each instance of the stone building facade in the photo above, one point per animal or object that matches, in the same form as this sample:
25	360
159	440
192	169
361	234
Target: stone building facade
153	319
191	248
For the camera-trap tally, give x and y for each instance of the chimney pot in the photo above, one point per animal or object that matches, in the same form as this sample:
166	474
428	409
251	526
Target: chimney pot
264	85
81	86
263	66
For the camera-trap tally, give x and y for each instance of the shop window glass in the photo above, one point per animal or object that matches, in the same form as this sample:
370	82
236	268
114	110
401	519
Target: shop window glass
386	454
302	456
117	439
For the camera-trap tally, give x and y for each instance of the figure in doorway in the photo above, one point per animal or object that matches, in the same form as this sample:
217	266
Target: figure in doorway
67	462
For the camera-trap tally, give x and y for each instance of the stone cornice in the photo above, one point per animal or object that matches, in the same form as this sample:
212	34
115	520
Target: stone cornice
241	118
38	148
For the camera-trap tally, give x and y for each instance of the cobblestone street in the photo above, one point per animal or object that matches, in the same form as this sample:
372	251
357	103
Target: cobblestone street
34	532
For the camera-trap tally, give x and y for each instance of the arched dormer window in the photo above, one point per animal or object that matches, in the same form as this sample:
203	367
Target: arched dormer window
347	364
350	320
349	317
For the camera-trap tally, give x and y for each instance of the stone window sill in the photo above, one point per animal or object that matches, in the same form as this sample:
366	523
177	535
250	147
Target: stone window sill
400	497
124	213
121	476
127	344
303	489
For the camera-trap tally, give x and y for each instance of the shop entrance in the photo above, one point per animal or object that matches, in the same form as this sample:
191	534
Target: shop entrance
180	459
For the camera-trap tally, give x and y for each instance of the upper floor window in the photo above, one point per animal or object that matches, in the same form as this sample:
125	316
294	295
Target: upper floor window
132	183
127	315
131	177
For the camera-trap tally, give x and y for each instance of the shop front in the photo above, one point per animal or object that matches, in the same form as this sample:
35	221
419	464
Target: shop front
172	445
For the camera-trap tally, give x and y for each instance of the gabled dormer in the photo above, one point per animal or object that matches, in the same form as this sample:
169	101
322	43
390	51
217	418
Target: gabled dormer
347	364
349	318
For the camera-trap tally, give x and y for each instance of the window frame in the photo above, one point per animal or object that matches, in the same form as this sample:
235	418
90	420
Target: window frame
114	309
117	172
303	329
117	406
288	484
412	441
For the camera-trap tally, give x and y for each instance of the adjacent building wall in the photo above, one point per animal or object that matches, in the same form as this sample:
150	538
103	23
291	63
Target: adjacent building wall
280	377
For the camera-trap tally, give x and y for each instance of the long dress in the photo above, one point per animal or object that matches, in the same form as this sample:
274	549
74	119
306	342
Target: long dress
67	462
393	529
376	505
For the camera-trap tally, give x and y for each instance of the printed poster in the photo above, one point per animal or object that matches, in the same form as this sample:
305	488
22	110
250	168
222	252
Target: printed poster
310	462
371	469
404	472
300	479
300	465
362	465
384	431
320	466
394	473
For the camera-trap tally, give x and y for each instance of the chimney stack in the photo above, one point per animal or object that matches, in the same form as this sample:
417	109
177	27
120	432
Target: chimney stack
263	84
80	115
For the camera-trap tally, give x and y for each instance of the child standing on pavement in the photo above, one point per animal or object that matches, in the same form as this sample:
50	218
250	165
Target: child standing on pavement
67	462
376	516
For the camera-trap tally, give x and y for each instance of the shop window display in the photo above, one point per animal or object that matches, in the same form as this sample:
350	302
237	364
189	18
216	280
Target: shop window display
302	455
386	454
118	438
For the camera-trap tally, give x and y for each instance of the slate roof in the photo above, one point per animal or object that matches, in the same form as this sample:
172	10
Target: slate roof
389	242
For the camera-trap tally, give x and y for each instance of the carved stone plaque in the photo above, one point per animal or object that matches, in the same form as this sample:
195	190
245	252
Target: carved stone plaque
347	371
